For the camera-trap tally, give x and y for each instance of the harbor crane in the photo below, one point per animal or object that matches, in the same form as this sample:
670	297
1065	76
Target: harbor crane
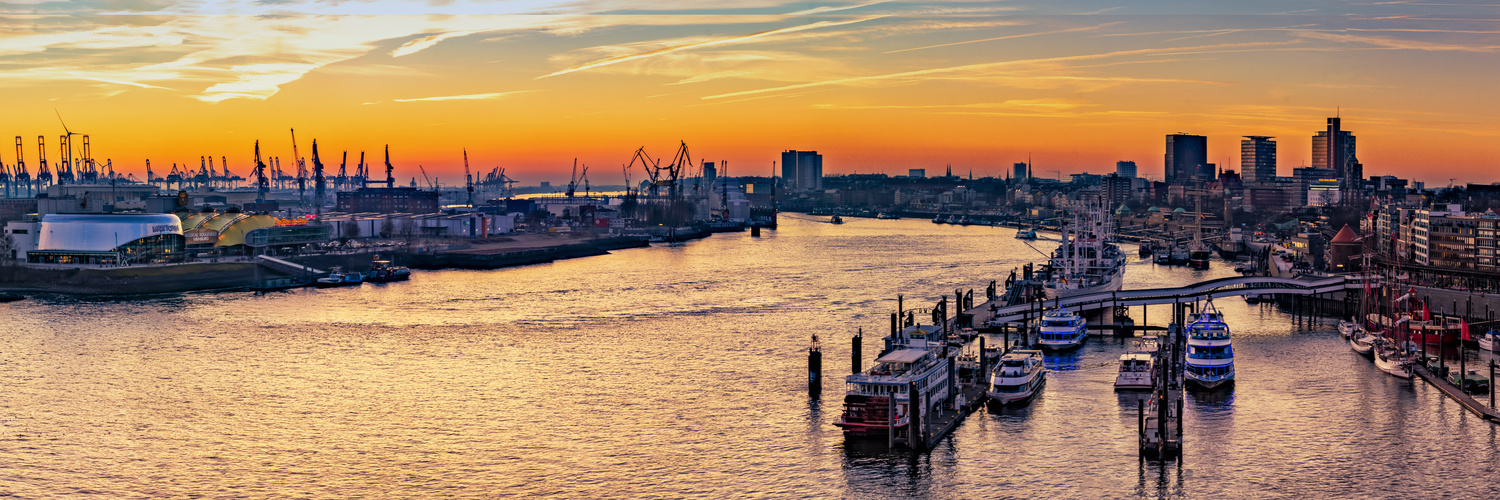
573	183
680	162
651	166
43	174
262	187
469	179
320	185
22	178
390	178
342	181
301	170
430	185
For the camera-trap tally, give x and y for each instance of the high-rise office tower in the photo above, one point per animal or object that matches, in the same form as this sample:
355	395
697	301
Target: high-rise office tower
1258	158
1125	169
1333	149
1020	171
1187	159
802	170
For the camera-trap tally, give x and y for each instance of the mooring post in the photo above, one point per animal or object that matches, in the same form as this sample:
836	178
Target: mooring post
857	350
914	419
1179	423
983	364
814	368
1492	384
890	416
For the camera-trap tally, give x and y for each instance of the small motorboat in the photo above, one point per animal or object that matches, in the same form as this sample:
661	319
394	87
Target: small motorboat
836	220
1347	328
1490	341
339	278
1471	381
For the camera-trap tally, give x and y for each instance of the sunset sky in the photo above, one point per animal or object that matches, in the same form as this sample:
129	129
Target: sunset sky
874	86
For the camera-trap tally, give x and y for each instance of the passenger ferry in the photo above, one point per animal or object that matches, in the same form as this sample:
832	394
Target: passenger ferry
877	400
1087	261
1210	357
1061	329
1138	367
1019	376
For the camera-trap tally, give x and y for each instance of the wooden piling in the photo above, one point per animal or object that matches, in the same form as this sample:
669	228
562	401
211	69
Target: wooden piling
857	353
914	418
1492	385
890	415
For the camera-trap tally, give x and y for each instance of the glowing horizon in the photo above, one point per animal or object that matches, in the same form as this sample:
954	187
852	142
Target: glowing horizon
874	86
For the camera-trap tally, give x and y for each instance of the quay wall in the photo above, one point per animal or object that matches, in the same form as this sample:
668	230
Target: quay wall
132	280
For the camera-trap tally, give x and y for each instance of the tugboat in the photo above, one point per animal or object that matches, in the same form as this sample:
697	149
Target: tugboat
1019	376
877	400
339	278
381	271
1061	330
1210	355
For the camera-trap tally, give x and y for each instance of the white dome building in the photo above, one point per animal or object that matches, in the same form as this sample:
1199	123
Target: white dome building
107	239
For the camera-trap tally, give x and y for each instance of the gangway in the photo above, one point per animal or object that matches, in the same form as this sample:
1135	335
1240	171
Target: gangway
287	267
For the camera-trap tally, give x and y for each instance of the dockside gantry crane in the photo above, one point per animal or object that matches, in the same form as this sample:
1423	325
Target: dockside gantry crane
21	177
468	179
301	170
390	177
320	184
262	187
43	174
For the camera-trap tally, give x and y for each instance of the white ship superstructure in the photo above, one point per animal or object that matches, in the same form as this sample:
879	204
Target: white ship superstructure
1087	261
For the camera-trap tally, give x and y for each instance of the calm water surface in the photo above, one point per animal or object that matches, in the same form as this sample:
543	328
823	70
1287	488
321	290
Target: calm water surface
669	372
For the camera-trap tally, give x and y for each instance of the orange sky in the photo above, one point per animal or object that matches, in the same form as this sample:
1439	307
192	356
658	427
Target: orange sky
875	86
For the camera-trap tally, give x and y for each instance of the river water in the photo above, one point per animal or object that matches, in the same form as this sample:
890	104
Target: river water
669	372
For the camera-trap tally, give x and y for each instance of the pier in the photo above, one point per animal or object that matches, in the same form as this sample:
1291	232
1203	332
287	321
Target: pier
1452	391
1159	418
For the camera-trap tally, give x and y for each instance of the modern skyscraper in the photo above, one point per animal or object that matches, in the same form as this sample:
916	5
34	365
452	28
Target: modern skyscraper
1333	149
1125	169
802	170
1020	173
1187	159
1258	158
789	169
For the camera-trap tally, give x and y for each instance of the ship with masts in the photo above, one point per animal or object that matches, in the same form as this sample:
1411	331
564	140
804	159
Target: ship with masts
1088	260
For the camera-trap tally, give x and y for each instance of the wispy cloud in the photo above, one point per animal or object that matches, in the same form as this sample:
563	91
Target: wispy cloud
1009	37
1398	43
468	97
985	67
426	42
703	44
833	8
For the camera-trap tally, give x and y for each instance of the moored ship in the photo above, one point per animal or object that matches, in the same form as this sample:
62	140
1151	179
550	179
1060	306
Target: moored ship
877	401
1018	378
1060	330
1087	261
1210	355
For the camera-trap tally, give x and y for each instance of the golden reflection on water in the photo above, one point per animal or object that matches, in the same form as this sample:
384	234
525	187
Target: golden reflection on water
663	372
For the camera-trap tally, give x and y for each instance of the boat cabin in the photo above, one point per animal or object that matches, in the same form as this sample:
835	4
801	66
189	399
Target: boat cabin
1135	362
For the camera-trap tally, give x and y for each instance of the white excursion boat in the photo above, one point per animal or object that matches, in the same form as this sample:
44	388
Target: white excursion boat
339	278
1087	261
915	355
1490	341
1392	360
1137	372
1210	355
1019	376
1061	329
1362	343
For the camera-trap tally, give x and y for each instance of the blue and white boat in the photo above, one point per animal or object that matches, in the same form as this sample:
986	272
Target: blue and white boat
1061	329
1210	355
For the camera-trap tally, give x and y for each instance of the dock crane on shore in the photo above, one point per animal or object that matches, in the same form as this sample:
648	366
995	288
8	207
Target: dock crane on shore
573	183
469	179
651	166
341	182
91	170
43	174
362	172
680	163
430	185
390	178
320	184
229	177
301	170
22	178
262	187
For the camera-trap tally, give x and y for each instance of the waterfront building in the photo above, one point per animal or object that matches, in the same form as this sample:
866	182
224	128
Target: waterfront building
1125	169
388	200
1187	159
107	239
1343	251
1258	158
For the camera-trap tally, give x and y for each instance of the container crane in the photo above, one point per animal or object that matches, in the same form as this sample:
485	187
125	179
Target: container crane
43	175
342	181
468	179
261	186
320	185
5	177
64	167
22	178
651	166
91	169
150	179
390	178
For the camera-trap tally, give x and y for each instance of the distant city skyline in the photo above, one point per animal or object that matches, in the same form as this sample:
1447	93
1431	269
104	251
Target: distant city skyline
873	86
